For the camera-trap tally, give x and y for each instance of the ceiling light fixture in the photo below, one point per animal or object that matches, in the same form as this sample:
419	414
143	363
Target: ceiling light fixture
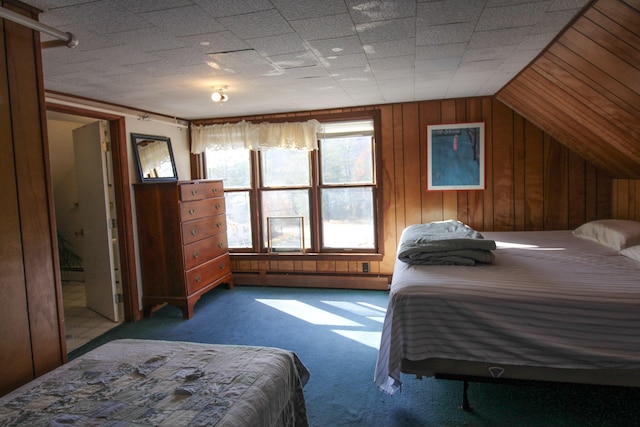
219	96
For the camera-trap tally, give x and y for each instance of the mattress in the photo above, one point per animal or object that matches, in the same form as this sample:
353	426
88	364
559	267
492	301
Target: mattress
162	383
550	300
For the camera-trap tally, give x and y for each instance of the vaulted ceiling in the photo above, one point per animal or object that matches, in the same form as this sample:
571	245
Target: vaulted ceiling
585	88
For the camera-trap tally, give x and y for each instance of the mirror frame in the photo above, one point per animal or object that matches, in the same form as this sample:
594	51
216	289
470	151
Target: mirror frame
136	138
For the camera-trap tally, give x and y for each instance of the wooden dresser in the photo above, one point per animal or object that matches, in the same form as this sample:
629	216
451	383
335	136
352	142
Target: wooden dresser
182	236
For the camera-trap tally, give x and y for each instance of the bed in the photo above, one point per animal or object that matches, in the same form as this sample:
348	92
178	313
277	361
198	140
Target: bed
551	306
161	383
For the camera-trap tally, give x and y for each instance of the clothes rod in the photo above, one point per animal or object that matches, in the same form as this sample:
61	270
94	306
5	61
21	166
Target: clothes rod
67	39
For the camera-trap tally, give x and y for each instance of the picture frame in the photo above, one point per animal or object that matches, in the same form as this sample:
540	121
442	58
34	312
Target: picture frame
456	156
154	157
285	234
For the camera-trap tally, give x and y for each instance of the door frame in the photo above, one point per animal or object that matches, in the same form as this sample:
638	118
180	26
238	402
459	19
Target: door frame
122	191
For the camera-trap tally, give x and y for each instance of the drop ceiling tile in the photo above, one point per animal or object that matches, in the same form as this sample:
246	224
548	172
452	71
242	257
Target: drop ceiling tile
437	91
141	6
440	51
222	41
257	24
304	9
363	11
405	73
354	77
536	41
183	21
326	27
396	93
148	39
494	38
492	53
520	15
391	48
392	63
99	16
396	29
313	71
237	59
358	60
438	65
449	12
278	45
444	34
337	46
573	5
476	66
220	8
364	95
294	60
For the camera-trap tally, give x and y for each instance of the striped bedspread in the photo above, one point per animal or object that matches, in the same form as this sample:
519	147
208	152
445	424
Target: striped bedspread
549	300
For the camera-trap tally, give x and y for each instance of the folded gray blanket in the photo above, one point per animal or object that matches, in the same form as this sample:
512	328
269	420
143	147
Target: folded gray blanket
444	243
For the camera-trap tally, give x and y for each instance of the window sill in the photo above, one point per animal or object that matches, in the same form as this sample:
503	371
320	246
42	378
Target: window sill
344	256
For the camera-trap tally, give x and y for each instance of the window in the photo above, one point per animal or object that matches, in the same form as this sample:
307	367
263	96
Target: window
333	189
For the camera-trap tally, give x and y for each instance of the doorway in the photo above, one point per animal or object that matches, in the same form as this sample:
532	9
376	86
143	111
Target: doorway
87	247
68	222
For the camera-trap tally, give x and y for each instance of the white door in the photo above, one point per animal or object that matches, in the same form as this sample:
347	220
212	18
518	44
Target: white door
89	144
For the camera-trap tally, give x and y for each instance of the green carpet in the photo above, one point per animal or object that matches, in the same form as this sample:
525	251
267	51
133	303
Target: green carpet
336	332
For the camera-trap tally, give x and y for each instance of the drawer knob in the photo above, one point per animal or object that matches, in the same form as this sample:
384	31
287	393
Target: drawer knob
196	254
222	266
218	206
220	245
194	192
192	211
219	225
194	231
215	190
198	279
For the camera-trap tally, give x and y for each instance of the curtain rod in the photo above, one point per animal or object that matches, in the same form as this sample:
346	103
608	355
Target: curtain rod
67	39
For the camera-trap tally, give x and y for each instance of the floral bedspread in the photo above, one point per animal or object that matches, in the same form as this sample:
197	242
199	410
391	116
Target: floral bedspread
165	383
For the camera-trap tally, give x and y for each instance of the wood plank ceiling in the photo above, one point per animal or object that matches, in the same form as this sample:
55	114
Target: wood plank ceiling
584	89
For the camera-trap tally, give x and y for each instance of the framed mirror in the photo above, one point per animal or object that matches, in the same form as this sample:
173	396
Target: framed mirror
155	158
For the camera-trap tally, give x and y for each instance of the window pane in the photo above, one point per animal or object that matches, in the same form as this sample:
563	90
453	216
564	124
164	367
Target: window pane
231	166
279	203
285	168
238	219
346	160
347	218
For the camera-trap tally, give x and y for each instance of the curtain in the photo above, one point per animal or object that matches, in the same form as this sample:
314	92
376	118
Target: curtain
262	136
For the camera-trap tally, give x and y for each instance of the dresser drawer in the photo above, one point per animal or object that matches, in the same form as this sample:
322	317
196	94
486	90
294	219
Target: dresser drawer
207	273
204	250
201	208
199	229
201	190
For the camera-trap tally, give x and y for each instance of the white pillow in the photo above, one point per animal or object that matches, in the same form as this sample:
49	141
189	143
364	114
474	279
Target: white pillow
632	252
615	233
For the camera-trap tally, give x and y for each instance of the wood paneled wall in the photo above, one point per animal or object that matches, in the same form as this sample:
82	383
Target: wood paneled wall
532	181
626	199
31	323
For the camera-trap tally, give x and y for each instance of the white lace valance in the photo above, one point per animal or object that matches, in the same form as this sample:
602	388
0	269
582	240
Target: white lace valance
262	136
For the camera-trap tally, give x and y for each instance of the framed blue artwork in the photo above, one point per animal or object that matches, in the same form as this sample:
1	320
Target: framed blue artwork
455	156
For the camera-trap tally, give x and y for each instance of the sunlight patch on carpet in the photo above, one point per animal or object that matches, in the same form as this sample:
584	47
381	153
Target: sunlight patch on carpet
308	313
368	338
363	309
